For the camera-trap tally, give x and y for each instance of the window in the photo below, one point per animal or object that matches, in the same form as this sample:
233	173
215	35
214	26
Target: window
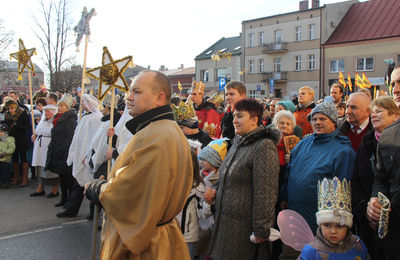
225	73
204	75
336	66
208	52
251	40
297	60
261	63
311	62
277	65
278	37
252	94
298	33
365	64
312	31
261	38
251	66
237	48
224	49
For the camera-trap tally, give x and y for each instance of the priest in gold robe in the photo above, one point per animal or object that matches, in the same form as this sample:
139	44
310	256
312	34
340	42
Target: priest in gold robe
149	182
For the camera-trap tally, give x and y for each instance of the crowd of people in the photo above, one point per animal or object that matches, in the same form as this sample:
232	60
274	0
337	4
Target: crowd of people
203	178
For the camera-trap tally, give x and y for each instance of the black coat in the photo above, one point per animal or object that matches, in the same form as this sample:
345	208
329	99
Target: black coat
18	127
61	138
361	189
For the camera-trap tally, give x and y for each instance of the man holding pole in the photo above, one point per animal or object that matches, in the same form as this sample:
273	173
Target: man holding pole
149	182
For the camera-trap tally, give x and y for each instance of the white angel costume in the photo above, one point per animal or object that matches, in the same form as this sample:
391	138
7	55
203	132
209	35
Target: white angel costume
83	136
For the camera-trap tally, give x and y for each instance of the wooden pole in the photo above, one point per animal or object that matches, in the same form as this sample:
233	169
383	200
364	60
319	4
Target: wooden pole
112	105
30	96
96	208
83	77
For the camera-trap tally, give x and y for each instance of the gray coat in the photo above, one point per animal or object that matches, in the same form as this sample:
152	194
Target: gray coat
245	202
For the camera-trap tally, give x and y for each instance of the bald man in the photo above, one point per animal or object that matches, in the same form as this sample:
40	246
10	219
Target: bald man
150	181
395	82
357	122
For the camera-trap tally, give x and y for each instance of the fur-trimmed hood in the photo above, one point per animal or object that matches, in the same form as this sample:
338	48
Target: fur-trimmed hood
261	132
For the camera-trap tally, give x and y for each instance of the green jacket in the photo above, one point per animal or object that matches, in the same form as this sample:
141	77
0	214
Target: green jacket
7	147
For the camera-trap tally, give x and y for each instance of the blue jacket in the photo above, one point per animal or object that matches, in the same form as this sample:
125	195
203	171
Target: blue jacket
313	159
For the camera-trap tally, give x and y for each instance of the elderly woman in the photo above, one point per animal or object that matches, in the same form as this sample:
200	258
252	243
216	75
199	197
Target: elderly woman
41	142
285	121
384	113
289	106
64	124
248	187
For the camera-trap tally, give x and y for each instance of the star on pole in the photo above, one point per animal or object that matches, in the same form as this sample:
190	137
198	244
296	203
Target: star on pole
23	56
83	26
110	73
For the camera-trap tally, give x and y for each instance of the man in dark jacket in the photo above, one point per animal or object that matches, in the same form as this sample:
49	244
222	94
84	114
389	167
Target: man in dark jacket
357	122
234	91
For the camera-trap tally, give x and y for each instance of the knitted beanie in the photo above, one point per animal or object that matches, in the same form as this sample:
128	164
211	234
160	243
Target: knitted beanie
288	105
214	152
327	108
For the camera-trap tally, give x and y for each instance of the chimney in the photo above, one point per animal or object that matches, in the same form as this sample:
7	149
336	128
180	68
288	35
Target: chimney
315	4
162	68
181	67
303	5
148	67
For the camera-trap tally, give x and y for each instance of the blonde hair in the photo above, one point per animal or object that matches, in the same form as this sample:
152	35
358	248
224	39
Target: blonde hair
386	102
308	89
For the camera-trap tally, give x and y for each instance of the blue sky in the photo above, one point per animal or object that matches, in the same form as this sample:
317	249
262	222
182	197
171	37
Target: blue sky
154	32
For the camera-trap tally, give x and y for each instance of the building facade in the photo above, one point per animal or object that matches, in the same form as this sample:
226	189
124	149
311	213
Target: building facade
365	41
184	76
282	53
9	77
228	66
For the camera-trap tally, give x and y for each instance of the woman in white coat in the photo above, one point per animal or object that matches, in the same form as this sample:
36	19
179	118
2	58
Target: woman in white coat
41	142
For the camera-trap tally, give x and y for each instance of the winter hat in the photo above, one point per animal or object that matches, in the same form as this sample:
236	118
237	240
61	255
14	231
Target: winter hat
10	102
67	99
288	105
214	152
334	202
50	107
185	114
327	108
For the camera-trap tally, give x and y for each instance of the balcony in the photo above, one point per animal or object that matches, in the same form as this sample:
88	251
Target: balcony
277	76
275	48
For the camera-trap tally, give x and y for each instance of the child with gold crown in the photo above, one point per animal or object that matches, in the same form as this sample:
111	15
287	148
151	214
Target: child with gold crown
333	239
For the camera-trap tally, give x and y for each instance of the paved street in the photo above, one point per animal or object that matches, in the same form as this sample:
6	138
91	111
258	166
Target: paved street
29	228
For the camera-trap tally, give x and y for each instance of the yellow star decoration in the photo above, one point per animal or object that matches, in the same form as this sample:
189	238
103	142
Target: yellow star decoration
110	73
23	56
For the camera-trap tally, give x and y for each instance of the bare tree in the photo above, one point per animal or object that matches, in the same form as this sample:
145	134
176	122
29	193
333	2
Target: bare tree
53	27
6	38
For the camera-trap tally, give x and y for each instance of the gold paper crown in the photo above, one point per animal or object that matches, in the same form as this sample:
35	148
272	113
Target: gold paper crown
198	86
334	194
216	99
183	111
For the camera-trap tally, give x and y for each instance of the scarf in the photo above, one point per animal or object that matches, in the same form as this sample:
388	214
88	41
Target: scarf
56	117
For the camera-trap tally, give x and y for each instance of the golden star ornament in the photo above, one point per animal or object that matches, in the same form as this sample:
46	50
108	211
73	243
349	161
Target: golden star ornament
110	73
23	56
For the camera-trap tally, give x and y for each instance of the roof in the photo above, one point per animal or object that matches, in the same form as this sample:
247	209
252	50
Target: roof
13	65
230	44
369	20
179	72
283	14
131	72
